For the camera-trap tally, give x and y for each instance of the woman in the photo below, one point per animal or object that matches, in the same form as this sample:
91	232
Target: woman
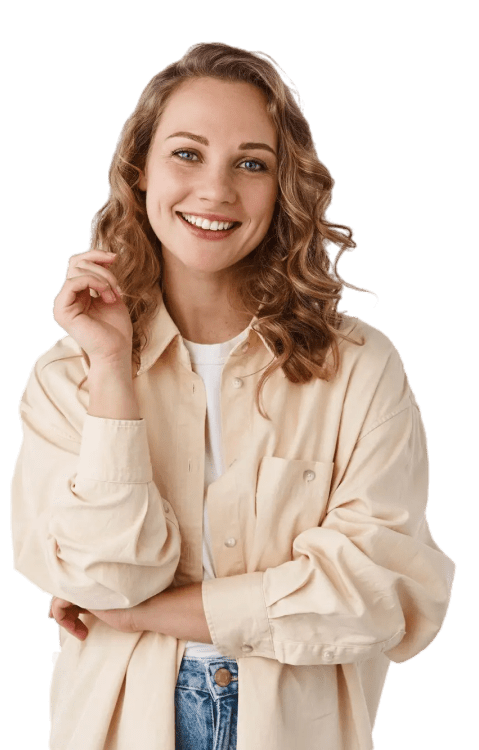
225	576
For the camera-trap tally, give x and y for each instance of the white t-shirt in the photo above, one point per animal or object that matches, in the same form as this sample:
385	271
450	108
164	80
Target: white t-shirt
207	360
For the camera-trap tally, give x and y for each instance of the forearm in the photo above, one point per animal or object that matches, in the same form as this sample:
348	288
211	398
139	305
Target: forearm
112	395
177	611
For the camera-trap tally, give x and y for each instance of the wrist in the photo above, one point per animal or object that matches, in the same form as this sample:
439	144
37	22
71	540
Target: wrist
145	616
122	366
112	390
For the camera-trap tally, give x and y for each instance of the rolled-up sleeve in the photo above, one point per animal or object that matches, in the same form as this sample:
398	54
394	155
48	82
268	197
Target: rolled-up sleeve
369	579
88	522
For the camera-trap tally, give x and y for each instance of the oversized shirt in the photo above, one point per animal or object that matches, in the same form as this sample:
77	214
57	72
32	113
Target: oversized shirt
208	360
326	570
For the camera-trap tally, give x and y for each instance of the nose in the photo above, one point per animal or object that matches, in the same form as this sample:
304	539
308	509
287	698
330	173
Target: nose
216	185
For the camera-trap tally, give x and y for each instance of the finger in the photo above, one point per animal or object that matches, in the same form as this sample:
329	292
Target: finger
98	270
63	603
94	272
76	628
102	262
68	613
80	630
68	294
100	255
67	617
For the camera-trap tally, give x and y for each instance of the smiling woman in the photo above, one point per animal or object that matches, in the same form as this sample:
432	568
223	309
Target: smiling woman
217	181
280	556
212	137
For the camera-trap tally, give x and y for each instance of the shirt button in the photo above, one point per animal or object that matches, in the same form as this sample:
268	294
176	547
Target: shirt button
166	507
237	383
309	475
246	647
230	542
328	655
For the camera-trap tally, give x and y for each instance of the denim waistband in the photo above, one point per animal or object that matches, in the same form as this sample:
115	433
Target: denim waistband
197	673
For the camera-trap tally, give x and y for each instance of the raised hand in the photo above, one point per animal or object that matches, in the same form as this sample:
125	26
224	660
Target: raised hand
100	325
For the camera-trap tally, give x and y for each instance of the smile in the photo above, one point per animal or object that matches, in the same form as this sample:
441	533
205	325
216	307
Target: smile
206	224
208	234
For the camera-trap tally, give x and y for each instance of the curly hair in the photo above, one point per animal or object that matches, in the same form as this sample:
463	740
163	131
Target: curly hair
288	280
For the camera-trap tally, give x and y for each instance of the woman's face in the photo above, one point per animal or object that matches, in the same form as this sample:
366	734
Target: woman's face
212	173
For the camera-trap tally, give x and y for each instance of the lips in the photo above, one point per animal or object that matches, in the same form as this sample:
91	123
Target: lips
207	216
208	234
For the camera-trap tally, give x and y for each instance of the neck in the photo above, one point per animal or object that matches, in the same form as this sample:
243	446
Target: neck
202	322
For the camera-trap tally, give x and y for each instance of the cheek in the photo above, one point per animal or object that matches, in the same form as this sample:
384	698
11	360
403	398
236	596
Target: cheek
265	203
174	176
163	194
266	192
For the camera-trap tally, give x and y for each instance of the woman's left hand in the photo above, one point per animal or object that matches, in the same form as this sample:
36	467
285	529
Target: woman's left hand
66	614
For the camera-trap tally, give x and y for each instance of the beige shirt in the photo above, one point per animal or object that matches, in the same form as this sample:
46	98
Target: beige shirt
326	568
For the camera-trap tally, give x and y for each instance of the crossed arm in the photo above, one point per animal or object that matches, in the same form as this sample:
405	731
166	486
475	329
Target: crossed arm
176	611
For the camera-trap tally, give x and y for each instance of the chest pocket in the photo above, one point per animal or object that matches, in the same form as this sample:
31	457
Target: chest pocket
291	496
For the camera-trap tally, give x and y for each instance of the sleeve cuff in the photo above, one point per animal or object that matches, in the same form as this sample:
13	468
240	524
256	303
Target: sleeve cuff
115	450
235	611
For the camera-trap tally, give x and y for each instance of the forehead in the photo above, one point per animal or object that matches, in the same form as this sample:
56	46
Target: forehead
226	107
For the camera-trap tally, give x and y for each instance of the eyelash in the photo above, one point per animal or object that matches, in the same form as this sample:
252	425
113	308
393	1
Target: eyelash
263	166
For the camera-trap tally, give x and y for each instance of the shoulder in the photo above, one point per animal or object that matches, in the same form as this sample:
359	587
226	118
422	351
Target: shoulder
373	355
372	375
377	345
52	394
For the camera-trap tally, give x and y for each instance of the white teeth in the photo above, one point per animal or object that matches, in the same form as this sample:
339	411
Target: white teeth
205	224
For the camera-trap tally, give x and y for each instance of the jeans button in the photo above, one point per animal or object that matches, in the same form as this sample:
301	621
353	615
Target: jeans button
223	677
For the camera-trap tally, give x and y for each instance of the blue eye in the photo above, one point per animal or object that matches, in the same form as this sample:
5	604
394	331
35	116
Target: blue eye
186	155
184	151
258	164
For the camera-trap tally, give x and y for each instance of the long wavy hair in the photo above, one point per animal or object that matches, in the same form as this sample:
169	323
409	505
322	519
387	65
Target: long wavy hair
288	279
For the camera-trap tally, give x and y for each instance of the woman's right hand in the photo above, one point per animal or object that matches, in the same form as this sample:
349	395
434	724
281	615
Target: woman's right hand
100	325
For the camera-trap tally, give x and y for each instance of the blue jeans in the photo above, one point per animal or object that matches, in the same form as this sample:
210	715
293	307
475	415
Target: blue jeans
206	704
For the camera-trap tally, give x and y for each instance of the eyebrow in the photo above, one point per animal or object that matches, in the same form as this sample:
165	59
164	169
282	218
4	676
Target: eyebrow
243	146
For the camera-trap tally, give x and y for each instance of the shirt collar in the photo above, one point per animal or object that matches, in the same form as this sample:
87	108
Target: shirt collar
162	330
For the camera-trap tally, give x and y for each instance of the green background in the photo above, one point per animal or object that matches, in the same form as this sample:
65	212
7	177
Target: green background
388	92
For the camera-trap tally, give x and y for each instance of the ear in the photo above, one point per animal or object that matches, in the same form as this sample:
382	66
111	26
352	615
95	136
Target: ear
142	182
